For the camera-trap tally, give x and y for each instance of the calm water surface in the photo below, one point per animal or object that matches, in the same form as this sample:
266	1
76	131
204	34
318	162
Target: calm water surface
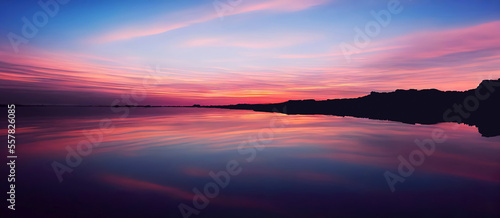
291	165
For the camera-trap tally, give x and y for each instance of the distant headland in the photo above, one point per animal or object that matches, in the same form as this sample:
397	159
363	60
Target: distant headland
478	107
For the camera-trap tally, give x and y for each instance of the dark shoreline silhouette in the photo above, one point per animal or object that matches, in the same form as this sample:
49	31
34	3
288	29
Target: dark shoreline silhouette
479	107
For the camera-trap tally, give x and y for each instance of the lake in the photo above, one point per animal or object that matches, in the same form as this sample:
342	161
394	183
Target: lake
152	162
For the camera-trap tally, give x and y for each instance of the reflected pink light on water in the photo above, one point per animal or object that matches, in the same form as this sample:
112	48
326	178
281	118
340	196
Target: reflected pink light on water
351	140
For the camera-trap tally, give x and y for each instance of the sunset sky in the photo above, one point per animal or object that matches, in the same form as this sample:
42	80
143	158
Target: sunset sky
258	51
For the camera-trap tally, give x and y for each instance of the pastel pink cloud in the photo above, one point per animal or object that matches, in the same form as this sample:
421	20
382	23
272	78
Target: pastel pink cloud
201	15
471	43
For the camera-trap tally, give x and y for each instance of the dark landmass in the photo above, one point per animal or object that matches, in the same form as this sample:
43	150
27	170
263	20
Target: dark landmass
479	107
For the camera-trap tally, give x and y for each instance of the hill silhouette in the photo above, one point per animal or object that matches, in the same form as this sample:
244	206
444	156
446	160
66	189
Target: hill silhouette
479	107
